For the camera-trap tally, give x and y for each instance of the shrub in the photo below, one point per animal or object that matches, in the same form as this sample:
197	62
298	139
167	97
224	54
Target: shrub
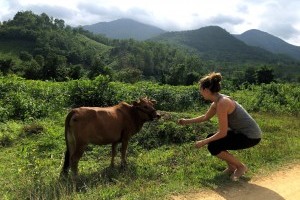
5	140
166	131
274	97
23	99
32	129
88	92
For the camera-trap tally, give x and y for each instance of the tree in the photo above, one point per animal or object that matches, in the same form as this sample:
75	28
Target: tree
129	75
250	75
40	60
6	65
59	23
264	75
25	56
191	78
32	70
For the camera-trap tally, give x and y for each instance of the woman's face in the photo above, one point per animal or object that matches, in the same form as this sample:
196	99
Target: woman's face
204	92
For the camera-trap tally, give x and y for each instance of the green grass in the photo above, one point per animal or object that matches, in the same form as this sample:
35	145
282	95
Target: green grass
30	165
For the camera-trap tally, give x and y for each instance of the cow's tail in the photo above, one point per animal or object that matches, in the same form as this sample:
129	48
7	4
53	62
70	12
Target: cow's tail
70	144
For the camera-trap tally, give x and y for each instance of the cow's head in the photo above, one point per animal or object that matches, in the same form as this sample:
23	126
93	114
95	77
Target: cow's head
146	107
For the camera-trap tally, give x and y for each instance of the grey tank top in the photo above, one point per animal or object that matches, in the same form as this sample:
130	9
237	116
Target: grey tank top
241	122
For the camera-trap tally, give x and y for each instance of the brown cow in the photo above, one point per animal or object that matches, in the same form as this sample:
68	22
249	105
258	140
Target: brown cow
104	125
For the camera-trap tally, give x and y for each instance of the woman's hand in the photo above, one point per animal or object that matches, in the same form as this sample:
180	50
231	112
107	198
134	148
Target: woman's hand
200	143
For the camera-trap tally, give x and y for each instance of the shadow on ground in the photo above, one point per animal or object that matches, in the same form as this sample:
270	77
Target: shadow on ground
240	190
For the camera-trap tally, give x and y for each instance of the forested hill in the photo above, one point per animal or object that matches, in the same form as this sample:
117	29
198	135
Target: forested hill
269	42
213	42
124	29
42	47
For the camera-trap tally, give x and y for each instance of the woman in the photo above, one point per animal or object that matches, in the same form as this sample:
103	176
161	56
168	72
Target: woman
237	129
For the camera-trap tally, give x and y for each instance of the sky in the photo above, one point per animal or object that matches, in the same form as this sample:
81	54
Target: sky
280	18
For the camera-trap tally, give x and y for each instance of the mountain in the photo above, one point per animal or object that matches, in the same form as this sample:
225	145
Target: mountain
124	29
269	42
215	43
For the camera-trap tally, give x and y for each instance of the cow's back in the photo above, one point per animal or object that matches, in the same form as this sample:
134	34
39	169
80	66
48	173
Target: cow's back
99	125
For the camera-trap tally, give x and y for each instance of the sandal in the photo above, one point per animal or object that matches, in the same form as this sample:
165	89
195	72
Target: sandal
238	173
228	171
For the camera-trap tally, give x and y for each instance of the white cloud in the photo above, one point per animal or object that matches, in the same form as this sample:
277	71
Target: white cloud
277	17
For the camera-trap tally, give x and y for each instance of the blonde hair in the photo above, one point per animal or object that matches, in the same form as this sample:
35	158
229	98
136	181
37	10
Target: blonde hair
211	81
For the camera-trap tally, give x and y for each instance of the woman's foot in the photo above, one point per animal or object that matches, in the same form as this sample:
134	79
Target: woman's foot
240	171
228	171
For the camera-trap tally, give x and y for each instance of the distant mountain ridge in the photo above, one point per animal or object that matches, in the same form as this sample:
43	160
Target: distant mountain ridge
124	29
269	42
206	39
215	43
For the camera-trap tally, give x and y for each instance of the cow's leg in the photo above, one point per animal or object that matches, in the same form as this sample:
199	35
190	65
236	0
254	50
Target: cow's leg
65	169
113	154
75	157
123	152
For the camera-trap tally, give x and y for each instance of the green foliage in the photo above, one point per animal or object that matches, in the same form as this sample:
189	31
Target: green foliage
5	140
22	99
166	131
265	75
169	98
274	97
42	48
89	92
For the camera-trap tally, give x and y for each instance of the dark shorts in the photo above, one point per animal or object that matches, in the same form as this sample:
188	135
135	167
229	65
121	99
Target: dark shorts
232	141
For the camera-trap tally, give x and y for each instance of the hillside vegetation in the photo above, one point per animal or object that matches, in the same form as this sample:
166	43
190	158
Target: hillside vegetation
271	43
41	47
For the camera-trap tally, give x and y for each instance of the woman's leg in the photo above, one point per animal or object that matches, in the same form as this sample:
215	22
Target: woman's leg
231	142
233	162
230	168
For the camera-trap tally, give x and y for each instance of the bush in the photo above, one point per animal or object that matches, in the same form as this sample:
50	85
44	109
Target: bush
32	129
88	92
166	131
274	97
5	140
169	98
23	99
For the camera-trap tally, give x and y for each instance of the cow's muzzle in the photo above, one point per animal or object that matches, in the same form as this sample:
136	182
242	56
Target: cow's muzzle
155	115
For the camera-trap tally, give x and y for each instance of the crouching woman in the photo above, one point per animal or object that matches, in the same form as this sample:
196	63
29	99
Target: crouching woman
237	129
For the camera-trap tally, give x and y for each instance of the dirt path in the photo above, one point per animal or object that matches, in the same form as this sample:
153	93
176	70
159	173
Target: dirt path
279	185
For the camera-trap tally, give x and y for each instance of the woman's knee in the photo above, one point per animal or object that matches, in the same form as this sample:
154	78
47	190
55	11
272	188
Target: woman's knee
213	149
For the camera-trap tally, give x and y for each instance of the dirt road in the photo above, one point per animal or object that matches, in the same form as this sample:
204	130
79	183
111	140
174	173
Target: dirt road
279	185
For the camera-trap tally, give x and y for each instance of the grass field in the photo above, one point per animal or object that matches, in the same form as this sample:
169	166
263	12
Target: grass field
31	159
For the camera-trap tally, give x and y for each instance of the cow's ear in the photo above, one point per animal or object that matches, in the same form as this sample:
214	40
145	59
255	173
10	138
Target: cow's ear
142	99
135	103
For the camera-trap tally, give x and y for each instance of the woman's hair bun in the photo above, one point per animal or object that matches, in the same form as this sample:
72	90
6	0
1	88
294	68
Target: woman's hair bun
211	81
216	77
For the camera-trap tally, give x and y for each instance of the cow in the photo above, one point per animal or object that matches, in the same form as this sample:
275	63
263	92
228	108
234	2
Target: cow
102	126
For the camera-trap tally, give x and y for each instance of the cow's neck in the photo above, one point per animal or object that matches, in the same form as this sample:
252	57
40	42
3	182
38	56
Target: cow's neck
138	121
